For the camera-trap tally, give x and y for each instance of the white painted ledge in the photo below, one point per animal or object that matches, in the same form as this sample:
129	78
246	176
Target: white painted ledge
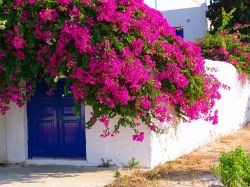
60	162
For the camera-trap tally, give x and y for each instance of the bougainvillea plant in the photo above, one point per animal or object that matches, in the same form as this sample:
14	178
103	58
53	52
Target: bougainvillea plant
118	56
228	48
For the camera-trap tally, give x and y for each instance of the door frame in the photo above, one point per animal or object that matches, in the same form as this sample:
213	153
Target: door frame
29	140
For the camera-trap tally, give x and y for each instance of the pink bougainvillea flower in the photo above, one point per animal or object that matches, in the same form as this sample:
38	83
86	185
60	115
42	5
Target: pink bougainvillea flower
104	120
242	76
64	2
138	137
20	2
31	2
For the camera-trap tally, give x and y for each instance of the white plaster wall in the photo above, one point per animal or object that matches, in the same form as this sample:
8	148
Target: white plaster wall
178	139
2	139
247	112
120	148
16	134
182	138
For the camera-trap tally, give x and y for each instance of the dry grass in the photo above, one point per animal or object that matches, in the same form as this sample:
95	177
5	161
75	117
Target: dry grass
189	167
135	179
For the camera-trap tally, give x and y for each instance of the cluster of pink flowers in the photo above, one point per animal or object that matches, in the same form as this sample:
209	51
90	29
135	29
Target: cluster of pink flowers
13	93
228	47
139	137
118	56
48	15
238	25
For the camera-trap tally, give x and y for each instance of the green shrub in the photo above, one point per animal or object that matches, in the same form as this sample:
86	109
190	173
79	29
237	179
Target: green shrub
117	174
234	168
133	163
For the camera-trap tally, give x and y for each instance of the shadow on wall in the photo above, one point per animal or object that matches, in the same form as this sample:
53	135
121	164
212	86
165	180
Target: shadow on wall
193	20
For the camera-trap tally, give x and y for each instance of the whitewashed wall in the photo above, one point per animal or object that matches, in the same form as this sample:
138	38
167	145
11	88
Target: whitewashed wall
233	114
120	148
247	112
189	13
179	138
2	139
13	135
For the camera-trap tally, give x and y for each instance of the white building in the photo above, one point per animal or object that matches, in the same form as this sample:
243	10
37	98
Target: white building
190	14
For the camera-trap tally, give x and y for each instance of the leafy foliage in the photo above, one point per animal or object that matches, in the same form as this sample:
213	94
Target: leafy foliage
117	174
119	56
133	163
234	168
226	18
226	46
241	14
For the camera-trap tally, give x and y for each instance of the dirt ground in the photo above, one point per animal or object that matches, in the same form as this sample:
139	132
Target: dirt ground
54	176
191	170
195	168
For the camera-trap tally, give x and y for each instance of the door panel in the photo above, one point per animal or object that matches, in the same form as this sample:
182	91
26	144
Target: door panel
54	128
44	140
72	133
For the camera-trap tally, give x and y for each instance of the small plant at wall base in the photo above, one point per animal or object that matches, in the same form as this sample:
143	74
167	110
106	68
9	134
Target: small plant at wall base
106	163
234	168
223	46
120	57
133	163
117	174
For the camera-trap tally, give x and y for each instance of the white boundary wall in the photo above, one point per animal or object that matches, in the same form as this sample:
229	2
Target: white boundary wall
178	139
233	114
2	139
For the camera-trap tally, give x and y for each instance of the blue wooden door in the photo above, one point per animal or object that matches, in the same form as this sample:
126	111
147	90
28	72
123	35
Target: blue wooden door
55	131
